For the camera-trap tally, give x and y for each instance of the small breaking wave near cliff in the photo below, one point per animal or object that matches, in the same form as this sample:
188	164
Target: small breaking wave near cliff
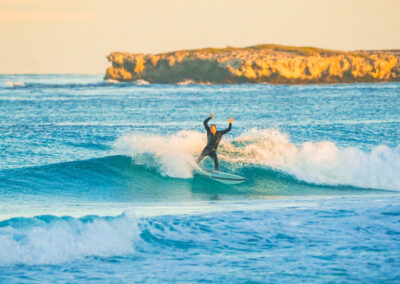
320	162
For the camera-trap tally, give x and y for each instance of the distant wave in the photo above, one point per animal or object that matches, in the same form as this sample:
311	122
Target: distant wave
14	84
53	240
50	85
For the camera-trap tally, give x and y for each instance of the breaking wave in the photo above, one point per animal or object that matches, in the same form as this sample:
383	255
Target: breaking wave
52	240
313	162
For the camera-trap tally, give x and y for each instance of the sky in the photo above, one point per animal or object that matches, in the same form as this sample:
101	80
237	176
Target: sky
75	36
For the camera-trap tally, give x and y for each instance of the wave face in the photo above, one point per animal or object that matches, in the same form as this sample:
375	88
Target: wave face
313	162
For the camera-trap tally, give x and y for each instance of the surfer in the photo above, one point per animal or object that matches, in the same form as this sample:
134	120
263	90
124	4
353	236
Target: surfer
213	139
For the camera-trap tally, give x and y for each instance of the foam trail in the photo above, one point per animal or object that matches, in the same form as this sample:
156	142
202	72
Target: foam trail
314	162
52	240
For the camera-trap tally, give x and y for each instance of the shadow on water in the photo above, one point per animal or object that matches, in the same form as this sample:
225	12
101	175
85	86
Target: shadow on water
116	178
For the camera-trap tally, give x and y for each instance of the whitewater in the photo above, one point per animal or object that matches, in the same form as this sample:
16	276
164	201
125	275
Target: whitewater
98	182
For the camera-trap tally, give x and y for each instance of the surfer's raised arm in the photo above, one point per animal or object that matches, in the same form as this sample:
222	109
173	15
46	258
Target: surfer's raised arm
229	127
207	120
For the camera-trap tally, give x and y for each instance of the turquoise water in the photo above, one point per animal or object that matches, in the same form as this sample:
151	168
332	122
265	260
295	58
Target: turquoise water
97	182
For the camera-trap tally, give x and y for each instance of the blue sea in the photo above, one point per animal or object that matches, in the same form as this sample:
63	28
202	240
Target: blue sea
98	182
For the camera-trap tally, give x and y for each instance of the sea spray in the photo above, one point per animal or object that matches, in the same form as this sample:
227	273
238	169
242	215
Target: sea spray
172	155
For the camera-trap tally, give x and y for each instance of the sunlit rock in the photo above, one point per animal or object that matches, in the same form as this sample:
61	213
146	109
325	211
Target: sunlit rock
263	63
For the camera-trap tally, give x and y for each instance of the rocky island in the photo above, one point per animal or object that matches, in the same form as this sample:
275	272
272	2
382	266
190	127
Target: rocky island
267	63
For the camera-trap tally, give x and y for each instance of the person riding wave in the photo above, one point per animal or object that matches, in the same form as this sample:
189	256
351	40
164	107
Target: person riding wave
213	139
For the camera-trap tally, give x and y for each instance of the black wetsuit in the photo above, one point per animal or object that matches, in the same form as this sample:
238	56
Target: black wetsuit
212	143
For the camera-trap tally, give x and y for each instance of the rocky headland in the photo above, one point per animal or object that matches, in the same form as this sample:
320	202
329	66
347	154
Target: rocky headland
270	63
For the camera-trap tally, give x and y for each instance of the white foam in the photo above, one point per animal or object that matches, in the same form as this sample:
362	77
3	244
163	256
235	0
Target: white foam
185	83
63	240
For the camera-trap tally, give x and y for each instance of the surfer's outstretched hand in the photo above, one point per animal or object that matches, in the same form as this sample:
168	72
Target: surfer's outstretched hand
212	115
230	120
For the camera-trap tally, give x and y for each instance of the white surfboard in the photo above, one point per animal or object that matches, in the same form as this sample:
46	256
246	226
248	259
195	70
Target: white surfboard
221	177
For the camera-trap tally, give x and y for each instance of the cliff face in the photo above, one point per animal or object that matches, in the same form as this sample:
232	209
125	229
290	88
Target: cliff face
262	63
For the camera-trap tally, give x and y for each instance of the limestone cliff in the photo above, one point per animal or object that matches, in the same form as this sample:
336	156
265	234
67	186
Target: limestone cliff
262	63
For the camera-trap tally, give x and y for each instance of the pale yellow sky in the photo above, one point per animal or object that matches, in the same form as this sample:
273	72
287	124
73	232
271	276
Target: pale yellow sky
74	36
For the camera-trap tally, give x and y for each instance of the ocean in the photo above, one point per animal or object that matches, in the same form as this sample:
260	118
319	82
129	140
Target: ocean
98	182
